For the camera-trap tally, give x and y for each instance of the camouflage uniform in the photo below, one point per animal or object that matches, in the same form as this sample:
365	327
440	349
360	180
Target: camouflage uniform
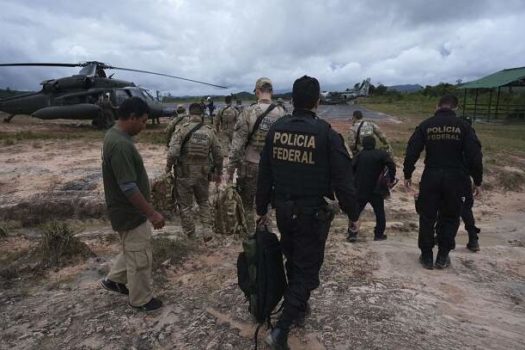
192	167
245	157
173	125
224	123
369	128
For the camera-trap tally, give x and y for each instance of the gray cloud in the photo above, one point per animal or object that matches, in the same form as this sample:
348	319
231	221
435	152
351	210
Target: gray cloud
233	42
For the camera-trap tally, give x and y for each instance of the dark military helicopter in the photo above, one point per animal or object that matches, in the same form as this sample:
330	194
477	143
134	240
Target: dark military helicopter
90	94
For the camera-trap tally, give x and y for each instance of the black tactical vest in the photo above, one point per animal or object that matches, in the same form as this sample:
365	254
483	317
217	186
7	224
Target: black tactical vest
300	157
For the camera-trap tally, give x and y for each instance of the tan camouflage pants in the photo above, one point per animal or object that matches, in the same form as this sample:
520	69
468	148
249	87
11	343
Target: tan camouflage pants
247	186
225	138
188	187
133	265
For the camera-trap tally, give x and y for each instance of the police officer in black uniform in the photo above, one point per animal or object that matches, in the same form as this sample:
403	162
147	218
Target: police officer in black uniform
303	160
453	153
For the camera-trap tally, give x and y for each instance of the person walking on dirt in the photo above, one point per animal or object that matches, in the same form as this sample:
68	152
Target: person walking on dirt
225	122
127	193
368	166
192	148
361	128
453	153
247	143
303	144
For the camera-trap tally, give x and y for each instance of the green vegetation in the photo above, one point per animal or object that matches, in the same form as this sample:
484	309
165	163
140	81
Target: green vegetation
169	251
4	230
9	138
59	245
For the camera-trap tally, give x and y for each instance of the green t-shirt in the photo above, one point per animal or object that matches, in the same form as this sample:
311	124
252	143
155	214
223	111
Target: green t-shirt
122	163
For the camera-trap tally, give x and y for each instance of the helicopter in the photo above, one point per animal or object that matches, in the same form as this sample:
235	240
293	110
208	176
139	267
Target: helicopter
343	97
91	94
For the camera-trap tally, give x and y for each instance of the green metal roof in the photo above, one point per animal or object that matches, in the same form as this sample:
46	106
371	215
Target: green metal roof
506	77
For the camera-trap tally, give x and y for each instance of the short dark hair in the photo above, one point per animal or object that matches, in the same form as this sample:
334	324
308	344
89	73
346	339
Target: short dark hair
133	106
448	100
228	99
358	114
305	92
196	108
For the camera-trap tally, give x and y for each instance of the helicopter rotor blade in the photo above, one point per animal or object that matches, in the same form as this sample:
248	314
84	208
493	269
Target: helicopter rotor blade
166	75
42	64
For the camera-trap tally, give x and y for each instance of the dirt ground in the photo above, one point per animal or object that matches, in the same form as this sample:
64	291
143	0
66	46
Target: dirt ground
373	295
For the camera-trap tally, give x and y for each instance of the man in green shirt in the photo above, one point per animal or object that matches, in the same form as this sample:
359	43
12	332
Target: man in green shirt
127	192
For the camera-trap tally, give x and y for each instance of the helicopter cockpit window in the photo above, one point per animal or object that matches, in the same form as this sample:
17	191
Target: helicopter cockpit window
88	70
136	93
121	96
147	95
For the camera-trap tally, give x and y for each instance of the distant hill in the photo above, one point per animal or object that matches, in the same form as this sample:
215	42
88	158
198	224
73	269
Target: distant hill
406	88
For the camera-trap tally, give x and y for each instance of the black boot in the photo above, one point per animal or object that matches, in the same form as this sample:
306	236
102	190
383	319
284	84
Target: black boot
427	259
473	245
277	339
442	260
301	319
352	235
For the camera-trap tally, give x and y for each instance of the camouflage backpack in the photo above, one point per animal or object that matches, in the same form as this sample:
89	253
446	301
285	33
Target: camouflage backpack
229	213
162	195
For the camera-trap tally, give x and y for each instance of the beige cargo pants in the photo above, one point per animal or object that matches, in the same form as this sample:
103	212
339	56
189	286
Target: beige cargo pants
133	265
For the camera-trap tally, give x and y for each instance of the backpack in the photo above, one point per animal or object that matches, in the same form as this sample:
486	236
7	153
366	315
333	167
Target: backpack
228	213
261	276
162	193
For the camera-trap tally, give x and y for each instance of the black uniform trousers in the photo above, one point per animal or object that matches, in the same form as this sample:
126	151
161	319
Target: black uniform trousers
466	213
303	236
441	197
378	204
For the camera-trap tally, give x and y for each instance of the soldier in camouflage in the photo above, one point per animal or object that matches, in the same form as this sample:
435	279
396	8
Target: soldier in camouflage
177	121
365	128
225	122
191	148
247	144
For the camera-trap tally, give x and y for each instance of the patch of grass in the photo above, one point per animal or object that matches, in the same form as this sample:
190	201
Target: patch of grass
170	251
59	245
10	138
511	180
4	230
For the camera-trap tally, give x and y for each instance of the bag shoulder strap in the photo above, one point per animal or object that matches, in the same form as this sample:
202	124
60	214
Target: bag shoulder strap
357	135
188	135
258	123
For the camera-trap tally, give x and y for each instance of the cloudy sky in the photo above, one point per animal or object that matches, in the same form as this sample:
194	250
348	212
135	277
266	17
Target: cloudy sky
233	42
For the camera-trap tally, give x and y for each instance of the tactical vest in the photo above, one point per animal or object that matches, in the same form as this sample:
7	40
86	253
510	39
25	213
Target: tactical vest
300	157
259	136
228	117
367	129
198	146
